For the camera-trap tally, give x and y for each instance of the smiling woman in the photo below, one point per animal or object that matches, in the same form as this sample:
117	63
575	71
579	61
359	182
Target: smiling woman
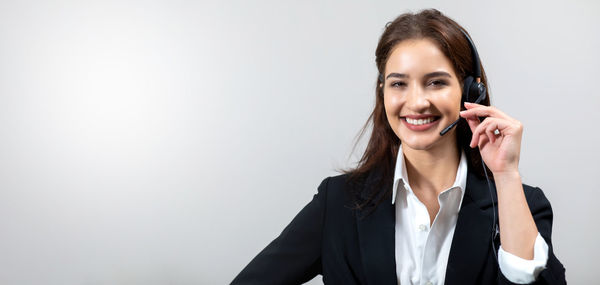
416	209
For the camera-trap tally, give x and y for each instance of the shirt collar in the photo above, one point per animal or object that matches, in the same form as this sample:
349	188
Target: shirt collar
400	174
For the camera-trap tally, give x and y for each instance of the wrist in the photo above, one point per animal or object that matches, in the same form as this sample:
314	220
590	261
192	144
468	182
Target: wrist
506	174
507	180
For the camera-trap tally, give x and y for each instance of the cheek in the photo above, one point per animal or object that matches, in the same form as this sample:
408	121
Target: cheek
392	104
392	108
451	100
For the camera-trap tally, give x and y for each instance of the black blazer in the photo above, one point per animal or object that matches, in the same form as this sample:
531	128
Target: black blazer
331	238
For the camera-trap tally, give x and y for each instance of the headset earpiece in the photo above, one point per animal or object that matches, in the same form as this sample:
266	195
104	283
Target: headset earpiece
473	91
467	88
480	91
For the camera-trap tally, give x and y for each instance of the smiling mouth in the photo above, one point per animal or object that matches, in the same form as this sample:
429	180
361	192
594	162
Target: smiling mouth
422	121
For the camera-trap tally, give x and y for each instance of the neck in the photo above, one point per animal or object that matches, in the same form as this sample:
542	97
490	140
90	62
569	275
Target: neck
432	170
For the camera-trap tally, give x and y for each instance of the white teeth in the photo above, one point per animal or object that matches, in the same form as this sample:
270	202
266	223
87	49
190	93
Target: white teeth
419	121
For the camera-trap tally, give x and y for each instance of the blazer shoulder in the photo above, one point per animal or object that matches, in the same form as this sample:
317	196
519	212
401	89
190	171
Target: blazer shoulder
337	189
537	200
535	195
334	185
530	190
336	181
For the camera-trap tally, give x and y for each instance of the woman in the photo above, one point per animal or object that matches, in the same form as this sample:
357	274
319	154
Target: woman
419	208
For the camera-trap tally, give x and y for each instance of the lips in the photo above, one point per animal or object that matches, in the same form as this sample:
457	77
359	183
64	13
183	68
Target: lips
420	122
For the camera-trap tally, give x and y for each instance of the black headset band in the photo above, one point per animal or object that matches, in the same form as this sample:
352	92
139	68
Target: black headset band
476	63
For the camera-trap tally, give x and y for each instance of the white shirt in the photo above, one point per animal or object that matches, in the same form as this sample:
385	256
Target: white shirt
422	250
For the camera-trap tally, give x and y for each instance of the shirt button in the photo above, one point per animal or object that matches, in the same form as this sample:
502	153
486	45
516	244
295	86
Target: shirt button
428	283
422	228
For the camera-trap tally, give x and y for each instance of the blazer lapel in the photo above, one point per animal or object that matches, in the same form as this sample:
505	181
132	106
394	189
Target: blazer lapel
376	232
472	237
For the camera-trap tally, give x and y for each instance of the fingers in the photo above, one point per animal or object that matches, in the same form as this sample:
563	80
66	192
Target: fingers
484	131
487	129
473	123
482	141
491	133
477	110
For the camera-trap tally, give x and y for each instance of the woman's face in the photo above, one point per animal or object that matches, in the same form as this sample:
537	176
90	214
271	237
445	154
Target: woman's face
421	94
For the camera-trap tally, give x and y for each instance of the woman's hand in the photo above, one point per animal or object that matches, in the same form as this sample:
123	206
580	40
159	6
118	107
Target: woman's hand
500	152
500	149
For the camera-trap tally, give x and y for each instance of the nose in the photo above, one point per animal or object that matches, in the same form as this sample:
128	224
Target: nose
416	99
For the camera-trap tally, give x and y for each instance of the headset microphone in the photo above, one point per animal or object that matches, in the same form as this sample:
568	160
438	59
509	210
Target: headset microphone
472	86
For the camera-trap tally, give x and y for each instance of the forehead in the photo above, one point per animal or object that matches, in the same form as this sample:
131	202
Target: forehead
416	57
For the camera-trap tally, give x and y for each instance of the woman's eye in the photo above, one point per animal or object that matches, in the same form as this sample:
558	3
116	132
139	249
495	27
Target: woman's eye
437	83
398	84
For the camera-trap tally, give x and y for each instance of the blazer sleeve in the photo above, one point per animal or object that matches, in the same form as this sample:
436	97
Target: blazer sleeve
554	273
294	257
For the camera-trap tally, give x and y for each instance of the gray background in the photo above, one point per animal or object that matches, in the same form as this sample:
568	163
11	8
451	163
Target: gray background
167	142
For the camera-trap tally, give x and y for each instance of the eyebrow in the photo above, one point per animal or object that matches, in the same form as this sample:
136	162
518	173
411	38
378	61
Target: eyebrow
428	75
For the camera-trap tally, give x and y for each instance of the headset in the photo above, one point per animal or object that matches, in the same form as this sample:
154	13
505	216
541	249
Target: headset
473	88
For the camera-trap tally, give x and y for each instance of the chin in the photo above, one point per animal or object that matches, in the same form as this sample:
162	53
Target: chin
420	145
424	141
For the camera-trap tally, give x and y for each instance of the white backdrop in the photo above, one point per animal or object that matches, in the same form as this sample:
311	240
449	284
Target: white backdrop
167	142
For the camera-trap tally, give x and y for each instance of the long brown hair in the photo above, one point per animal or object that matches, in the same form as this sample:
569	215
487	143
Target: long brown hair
382	149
